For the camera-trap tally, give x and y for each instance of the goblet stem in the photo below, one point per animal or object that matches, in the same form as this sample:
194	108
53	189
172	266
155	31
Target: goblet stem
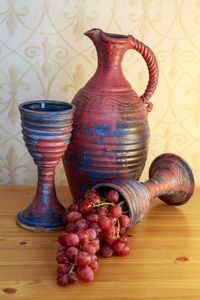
45	196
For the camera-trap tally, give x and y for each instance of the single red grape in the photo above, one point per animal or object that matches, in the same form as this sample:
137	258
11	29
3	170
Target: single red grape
73	216
71	253
110	232
90	193
62	279
72	278
72	239
116	211
90	247
113	196
63	268
85	207
62	239
81	224
83	237
91	234
102	211
95	199
124	221
83	259
118	246
85	274
92	217
106	250
94	265
70	227
104	223
61	258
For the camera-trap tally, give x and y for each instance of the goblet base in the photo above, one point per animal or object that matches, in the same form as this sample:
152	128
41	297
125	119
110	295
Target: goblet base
37	227
39	220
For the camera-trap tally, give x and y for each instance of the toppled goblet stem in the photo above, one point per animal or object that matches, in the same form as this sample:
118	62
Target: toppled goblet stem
46	128
171	180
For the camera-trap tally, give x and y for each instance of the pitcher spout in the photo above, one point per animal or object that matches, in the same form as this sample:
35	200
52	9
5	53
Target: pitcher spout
94	34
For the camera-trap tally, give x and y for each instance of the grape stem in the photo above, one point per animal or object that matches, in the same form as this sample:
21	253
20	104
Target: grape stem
104	199
72	268
102	204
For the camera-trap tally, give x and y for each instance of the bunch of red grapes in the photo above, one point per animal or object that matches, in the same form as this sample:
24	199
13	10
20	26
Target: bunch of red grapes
94	225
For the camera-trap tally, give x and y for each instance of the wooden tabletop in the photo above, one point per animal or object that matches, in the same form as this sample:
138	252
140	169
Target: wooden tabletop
164	262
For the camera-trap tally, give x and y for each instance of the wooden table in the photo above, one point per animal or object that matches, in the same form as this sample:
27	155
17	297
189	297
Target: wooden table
164	262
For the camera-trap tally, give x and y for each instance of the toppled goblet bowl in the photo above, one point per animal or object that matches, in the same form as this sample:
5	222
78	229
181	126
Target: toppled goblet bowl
171	179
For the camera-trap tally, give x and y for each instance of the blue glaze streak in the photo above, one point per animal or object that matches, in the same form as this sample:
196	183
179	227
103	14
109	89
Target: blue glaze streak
45	194
100	130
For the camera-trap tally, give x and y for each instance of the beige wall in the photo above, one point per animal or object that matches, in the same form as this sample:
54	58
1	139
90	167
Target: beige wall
44	54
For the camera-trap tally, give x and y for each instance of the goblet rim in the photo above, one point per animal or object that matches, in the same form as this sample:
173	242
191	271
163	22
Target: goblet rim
68	106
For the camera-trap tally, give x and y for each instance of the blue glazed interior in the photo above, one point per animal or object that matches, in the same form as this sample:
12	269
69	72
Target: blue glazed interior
116	36
46	105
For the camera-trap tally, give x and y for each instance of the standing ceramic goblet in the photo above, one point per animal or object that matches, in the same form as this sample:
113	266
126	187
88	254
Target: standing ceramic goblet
171	180
46	129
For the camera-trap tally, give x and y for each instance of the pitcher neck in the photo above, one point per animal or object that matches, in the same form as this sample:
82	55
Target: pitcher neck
110	51
110	47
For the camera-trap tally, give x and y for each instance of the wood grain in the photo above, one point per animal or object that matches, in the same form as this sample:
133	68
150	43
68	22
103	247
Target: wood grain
164	262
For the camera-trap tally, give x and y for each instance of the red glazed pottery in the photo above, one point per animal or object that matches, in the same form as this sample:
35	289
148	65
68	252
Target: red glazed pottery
171	180
46	129
110	131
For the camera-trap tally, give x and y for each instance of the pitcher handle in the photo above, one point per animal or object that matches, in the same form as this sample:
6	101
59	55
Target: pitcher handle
152	65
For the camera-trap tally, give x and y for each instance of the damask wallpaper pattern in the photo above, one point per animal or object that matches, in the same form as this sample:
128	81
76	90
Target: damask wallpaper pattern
44	54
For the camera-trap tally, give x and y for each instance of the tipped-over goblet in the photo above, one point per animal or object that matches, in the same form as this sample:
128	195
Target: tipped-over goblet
46	128
171	180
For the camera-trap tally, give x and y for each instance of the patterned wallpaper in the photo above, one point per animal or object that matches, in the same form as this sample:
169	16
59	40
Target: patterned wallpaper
44	54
